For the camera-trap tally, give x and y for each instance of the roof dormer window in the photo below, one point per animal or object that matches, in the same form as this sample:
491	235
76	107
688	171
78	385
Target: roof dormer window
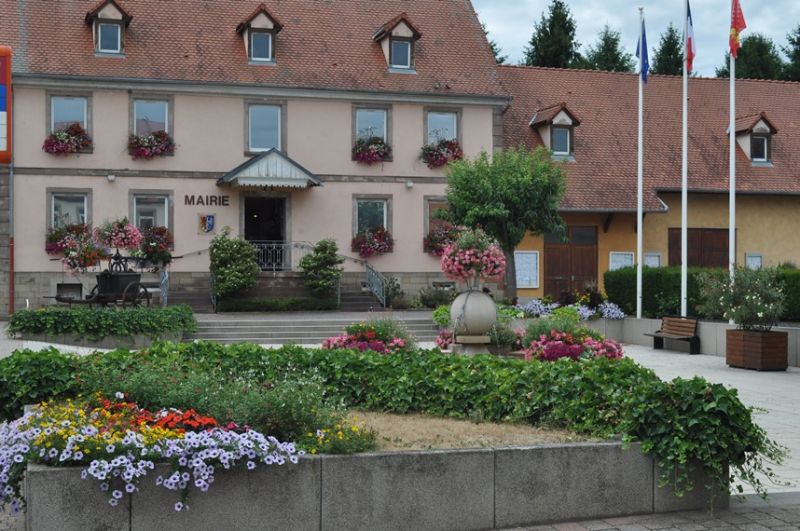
108	21
259	33
556	126
754	134
398	39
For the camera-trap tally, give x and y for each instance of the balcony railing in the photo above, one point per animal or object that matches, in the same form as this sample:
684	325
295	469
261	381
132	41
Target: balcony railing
278	256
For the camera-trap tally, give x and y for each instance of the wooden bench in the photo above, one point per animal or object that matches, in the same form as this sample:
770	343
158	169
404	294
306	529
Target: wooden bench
680	328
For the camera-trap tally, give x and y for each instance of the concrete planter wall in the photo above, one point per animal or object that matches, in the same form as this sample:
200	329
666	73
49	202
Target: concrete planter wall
712	334
436	490
110	342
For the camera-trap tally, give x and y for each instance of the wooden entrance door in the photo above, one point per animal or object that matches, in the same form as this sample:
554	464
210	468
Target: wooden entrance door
572	265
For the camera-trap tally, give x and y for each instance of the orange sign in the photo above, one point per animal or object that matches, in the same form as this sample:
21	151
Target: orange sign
5	105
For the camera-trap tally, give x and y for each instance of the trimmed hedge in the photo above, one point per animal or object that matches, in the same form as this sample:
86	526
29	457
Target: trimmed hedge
98	323
683	423
662	287
292	304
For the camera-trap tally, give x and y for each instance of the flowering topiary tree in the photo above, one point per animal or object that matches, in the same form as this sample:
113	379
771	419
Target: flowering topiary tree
472	258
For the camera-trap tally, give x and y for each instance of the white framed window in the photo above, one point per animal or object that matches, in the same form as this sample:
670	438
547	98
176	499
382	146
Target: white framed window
68	110
759	148
618	260
561	141
400	53
754	261
264	126
527	266
150	116
261	46
652	259
442	125
371	123
68	209
109	37
151	211
371	214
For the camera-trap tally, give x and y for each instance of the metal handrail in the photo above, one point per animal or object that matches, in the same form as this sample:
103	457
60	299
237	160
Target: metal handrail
376	283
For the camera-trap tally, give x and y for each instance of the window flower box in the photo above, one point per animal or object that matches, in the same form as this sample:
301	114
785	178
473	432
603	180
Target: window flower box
373	242
371	150
441	153
438	239
73	139
157	144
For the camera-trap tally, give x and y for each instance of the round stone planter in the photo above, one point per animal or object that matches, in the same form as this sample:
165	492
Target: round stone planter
473	313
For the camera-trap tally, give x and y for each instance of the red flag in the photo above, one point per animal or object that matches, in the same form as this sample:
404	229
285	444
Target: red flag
738	25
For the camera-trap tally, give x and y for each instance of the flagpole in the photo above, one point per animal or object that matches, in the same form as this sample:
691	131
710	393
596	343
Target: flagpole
640	175
732	172
685	166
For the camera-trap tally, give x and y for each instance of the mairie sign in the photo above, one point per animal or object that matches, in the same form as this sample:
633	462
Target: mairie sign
5	105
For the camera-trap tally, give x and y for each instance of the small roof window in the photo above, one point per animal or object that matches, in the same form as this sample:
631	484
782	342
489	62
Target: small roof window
755	134
398	39
108	20
259	32
556	125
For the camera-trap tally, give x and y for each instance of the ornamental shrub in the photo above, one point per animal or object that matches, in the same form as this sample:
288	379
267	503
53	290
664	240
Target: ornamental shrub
441	316
753	299
234	264
28	377
431	297
98	323
321	269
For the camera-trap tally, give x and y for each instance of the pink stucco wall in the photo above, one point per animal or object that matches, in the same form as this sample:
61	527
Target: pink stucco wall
210	133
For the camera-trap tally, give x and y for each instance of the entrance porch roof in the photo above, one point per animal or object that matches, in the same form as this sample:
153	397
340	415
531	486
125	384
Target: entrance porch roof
271	169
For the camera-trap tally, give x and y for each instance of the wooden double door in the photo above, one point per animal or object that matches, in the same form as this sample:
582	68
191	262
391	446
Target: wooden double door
570	265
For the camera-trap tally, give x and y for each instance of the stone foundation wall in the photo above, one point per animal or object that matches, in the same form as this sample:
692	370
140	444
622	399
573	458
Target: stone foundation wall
410	283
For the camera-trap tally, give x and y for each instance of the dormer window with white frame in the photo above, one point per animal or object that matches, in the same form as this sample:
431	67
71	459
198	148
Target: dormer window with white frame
398	39
556	126
109	21
755	136
259	33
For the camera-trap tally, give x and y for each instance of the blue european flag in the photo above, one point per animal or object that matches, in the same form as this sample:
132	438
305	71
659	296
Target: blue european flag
3	89
641	53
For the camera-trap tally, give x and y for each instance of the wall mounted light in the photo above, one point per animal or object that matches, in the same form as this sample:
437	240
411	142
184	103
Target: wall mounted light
409	184
111	177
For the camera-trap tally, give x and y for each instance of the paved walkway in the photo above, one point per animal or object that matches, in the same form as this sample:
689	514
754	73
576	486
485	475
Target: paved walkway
775	394
750	516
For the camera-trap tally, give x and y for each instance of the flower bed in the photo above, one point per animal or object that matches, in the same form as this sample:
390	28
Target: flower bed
73	139
119	443
371	150
156	144
441	153
378	335
556	345
373	242
604	310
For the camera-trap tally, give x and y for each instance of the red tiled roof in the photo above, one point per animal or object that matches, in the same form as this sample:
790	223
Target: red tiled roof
92	14
546	114
262	8
603	175
745	124
324	44
392	24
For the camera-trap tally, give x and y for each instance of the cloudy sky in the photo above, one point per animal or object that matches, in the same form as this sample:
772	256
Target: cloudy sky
510	22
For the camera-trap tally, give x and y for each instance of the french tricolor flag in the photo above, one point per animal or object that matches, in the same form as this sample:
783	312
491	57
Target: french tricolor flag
3	105
690	49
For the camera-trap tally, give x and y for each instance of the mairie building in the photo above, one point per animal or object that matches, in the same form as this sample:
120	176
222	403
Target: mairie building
265	102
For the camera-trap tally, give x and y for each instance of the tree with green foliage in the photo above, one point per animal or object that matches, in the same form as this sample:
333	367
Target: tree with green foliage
758	59
608	54
791	71
496	50
508	195
234	264
668	56
321	268
553	41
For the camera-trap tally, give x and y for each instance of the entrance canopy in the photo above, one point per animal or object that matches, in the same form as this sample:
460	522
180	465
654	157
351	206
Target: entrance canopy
271	169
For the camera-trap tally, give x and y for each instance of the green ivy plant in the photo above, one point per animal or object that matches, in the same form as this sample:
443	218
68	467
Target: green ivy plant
234	264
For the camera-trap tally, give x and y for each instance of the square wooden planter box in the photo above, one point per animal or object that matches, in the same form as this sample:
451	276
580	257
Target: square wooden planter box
759	350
